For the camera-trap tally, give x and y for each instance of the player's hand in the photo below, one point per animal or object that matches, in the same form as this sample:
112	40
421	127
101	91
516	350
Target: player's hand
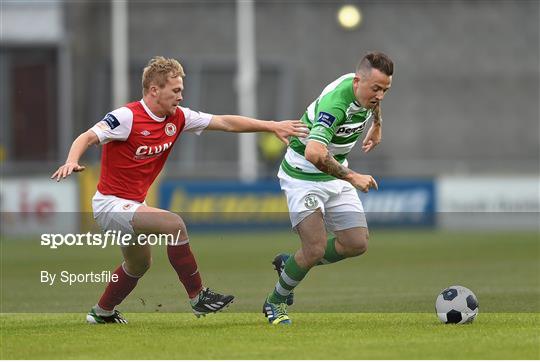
373	138
363	182
66	170
285	129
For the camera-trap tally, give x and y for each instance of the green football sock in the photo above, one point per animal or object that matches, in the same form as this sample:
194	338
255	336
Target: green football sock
330	253
292	275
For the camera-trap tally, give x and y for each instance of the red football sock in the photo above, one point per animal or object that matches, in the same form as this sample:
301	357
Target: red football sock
117	291
183	261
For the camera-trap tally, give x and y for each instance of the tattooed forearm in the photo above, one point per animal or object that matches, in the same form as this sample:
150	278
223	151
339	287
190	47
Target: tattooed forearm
377	115
330	166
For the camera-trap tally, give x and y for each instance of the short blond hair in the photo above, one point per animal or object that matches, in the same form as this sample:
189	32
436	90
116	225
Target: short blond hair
158	70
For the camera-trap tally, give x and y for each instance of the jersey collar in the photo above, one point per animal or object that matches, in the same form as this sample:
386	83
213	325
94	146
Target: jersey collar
358	107
152	115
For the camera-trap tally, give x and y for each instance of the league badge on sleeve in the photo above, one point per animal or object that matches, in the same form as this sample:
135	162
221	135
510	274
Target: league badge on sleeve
111	121
326	119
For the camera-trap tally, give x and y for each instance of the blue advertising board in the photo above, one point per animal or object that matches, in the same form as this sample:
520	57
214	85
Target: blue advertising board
401	202
218	205
226	204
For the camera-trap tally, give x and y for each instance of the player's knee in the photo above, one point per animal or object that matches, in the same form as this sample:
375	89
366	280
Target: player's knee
359	249
360	244
314	253
357	244
172	223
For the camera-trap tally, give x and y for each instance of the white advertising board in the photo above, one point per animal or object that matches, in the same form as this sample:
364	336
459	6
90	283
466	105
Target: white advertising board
500	202
36	205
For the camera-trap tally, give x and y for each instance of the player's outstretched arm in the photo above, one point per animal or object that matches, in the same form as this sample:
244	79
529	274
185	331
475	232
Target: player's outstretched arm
282	130
78	148
319	155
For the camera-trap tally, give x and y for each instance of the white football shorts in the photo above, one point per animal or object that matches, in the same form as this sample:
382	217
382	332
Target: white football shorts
114	213
338	200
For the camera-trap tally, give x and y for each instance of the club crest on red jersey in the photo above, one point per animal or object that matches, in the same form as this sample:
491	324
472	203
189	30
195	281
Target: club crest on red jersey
170	129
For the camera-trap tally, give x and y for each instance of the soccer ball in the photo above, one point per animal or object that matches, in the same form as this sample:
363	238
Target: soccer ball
456	304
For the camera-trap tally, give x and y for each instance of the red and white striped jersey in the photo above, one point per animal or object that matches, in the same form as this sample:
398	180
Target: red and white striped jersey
136	144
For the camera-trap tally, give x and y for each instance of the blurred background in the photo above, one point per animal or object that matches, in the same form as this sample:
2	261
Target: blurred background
459	160
463	108
464	97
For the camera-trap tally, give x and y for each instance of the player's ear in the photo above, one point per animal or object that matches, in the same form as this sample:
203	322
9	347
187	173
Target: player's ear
154	90
356	82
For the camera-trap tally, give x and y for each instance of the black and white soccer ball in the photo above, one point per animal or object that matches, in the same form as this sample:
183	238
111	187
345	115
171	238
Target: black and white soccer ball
456	304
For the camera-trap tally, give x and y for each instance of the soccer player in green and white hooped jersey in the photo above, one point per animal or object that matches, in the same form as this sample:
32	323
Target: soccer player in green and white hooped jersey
320	189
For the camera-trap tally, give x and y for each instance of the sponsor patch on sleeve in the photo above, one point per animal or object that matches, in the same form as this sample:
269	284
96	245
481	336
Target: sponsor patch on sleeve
326	119
111	121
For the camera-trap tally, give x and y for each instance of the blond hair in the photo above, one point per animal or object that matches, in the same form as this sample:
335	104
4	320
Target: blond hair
158	70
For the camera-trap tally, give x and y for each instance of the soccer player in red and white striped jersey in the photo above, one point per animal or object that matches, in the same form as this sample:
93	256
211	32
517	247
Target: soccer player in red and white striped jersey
137	140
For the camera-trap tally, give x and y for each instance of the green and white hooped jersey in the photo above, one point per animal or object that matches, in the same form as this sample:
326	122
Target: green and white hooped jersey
335	119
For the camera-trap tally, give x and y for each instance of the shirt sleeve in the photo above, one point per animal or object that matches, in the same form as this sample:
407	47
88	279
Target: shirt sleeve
195	121
327	120
115	126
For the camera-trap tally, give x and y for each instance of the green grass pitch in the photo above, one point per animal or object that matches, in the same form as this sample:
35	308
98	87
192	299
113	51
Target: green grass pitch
377	306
